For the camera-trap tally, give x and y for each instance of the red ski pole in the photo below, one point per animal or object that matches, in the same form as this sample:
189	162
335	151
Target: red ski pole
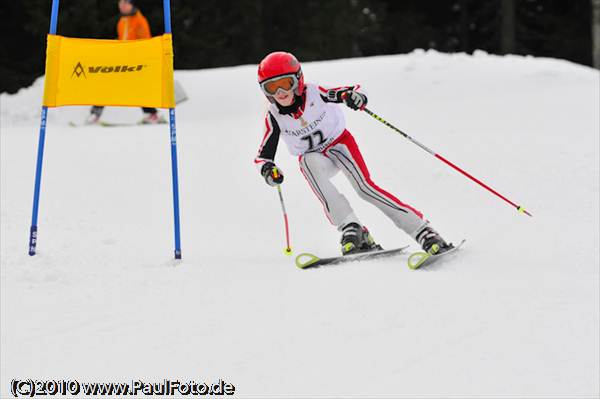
441	158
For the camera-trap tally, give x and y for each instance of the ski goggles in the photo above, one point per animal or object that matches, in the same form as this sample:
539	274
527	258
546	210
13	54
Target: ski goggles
285	83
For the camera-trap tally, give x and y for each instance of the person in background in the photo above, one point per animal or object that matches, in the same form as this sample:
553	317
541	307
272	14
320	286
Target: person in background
131	26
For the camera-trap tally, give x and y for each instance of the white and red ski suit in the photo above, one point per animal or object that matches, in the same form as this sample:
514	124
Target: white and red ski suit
316	133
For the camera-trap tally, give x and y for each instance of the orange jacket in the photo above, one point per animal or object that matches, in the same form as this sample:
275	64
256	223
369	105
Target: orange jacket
133	27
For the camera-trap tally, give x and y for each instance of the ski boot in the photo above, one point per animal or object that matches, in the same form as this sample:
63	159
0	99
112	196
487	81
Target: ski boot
432	242
94	117
152	118
356	239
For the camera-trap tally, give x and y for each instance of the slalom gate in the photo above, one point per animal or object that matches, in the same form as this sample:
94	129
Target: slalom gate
135	73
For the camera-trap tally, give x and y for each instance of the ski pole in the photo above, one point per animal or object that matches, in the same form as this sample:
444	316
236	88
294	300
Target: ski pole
288	249
441	158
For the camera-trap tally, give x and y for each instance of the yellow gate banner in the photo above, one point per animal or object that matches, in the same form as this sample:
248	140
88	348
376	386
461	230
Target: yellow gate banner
109	72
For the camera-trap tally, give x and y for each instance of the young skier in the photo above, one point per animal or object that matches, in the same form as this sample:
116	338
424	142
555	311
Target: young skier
312	125
131	26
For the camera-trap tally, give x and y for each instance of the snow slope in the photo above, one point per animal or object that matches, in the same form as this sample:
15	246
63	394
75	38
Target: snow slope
516	314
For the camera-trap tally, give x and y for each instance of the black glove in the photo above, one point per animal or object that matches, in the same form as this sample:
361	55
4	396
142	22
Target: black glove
272	174
355	100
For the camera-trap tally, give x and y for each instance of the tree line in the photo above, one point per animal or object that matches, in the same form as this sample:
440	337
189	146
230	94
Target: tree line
215	33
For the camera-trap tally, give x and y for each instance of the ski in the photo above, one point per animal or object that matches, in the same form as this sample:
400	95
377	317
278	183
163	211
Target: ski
420	259
117	124
114	124
102	124
309	261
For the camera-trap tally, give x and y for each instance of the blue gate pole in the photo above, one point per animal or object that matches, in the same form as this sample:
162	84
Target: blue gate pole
167	13
40	154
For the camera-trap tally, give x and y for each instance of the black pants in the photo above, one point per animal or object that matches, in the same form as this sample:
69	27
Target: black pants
97	110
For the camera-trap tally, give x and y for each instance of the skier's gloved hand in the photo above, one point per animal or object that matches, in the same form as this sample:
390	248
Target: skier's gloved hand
355	100
272	174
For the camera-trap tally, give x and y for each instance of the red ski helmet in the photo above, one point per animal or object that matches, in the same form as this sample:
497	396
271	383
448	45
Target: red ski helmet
278	65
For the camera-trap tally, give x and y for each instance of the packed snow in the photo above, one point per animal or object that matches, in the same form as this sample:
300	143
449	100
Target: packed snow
515	313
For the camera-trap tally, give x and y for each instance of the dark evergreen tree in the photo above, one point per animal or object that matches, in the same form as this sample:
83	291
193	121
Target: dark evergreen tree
213	33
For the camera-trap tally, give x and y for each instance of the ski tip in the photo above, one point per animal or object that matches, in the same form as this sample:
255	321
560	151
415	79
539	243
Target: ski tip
416	259
305	260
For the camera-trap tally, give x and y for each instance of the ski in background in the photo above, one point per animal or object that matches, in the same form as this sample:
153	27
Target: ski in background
180	97
114	124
